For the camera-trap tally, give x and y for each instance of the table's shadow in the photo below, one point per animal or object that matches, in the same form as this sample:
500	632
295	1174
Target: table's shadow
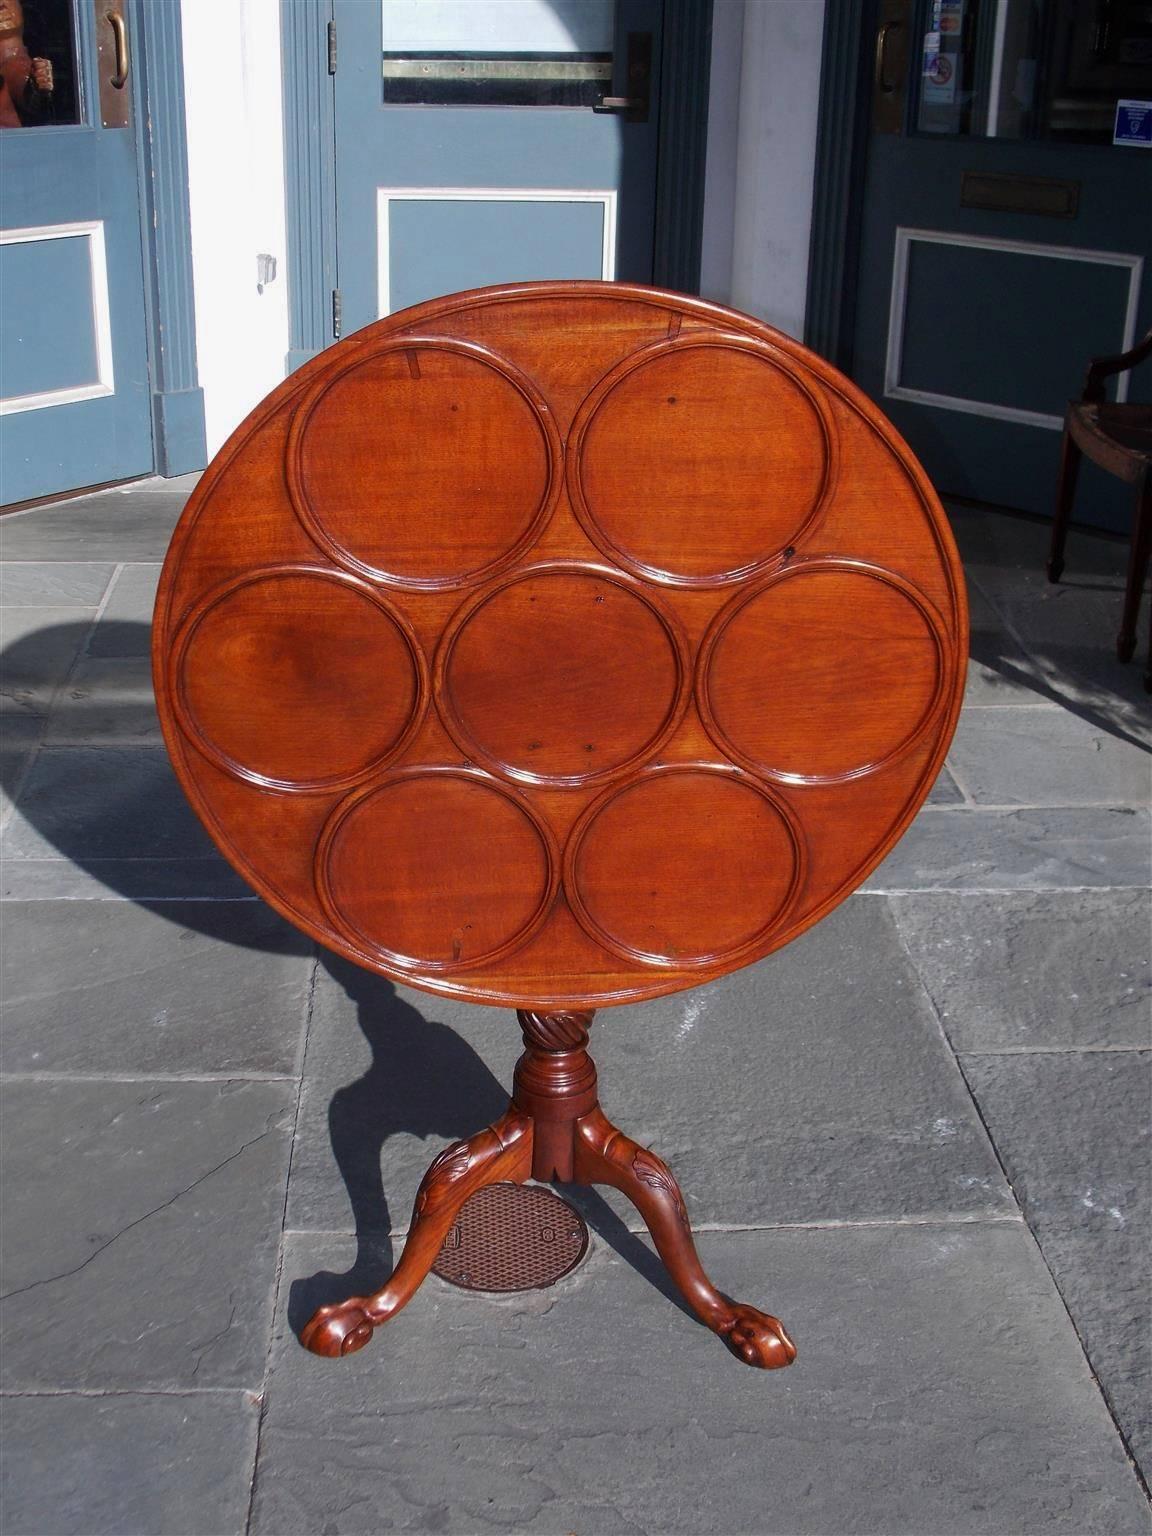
84	763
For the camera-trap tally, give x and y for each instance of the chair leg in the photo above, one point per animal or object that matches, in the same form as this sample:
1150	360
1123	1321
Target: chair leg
1070	457
1137	568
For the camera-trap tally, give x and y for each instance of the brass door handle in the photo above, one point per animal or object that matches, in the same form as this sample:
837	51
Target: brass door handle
638	73
882	81
123	59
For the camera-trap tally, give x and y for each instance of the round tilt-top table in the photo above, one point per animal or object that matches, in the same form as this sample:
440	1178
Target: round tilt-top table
558	646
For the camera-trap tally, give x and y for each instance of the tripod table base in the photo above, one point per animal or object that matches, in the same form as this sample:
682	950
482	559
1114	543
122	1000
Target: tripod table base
553	1129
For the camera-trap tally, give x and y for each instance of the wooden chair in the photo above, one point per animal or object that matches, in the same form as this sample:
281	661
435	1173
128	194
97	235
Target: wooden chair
1119	439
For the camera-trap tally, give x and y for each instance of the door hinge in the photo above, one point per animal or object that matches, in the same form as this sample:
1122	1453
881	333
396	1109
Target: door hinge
331	47
337	313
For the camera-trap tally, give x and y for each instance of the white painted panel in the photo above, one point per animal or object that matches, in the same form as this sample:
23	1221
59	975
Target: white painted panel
385	196
898	304
104	384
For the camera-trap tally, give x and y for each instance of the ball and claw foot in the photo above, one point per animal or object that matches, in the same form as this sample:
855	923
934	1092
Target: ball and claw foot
338	1330
759	1339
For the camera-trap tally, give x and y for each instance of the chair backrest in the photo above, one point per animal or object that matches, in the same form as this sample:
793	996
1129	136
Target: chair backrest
1101	368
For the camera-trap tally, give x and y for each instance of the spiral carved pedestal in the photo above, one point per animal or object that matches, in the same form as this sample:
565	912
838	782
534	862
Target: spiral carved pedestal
553	647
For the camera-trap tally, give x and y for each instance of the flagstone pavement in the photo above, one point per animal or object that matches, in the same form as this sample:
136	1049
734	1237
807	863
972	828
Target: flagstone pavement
919	1135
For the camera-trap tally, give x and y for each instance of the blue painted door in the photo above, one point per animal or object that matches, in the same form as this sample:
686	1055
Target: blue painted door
1005	237
75	406
486	141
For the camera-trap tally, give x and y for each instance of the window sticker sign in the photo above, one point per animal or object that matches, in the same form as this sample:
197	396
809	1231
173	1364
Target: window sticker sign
1133	124
942	44
951	21
939	87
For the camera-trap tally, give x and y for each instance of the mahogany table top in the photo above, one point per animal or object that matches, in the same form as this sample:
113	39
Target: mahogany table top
561	644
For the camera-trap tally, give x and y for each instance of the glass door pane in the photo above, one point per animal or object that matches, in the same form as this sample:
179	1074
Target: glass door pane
1032	69
39	84
546	53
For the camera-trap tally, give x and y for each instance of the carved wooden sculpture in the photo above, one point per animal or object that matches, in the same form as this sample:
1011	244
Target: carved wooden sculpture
559	646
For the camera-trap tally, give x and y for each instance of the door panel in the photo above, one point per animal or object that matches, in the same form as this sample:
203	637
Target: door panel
1005	239
442	241
940	349
469	149
75	406
57	344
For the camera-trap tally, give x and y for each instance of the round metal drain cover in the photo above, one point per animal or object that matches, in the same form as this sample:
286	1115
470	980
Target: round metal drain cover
512	1237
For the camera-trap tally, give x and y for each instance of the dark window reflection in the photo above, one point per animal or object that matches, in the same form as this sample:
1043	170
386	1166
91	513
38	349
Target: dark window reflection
1100	53
38	76
1032	69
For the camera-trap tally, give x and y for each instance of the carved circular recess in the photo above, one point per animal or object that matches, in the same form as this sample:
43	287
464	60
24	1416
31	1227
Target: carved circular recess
825	671
429	464
562	674
326	681
436	870
698	462
650	868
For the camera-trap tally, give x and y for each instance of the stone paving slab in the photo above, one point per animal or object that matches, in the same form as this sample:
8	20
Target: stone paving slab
1030	970
148	881
1070	632
128	1464
107	986
939	1389
35	584
141	1225
999	671
945	791
1067	631
123	525
1015	756
815	1085
108	702
1009	555
125	627
1049	847
20	738
1072	1131
39	646
86	804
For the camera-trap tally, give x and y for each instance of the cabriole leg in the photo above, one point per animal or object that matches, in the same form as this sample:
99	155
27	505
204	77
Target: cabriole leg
503	1152
605	1155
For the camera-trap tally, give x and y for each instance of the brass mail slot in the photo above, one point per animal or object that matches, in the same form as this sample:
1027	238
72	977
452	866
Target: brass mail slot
1004	193
527	68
